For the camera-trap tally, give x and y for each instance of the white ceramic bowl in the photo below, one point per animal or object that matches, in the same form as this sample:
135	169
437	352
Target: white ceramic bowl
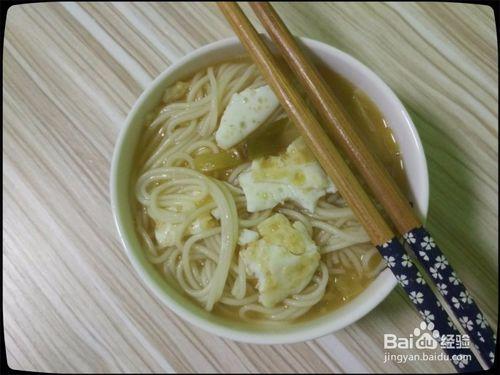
403	129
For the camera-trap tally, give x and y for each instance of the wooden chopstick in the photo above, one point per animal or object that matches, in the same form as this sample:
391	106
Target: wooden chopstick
311	130
334	165
380	182
337	123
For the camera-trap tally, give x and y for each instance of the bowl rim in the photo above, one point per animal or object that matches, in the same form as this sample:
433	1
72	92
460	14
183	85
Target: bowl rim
384	280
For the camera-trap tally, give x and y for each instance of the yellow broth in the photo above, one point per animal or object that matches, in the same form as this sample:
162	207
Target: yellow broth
369	123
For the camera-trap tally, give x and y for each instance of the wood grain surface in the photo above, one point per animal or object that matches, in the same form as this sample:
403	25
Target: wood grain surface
72	71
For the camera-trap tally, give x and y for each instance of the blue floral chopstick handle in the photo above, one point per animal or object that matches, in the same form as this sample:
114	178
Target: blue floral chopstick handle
426	303
453	291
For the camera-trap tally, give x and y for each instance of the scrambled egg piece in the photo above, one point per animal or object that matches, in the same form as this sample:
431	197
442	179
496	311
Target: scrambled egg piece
165	232
247	236
283	260
245	112
294	175
175	92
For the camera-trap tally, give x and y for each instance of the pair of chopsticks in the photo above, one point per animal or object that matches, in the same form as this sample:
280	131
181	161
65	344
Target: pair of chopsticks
383	187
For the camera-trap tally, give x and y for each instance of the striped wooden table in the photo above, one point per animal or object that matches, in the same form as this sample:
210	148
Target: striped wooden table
72	301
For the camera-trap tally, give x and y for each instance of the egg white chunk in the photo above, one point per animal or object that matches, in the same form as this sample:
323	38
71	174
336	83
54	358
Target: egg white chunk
245	112
295	175
283	261
165	233
247	236
215	213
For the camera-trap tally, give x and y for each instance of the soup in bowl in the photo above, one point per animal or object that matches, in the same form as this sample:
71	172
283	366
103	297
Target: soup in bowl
227	215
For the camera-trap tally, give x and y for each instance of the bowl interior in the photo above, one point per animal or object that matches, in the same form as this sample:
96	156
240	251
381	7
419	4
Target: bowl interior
390	106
